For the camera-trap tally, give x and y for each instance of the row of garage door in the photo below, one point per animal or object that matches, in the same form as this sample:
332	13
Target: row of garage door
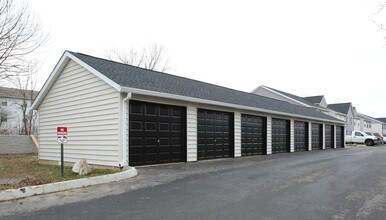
157	134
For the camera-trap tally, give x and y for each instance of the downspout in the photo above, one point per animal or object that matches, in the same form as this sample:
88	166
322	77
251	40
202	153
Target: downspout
123	128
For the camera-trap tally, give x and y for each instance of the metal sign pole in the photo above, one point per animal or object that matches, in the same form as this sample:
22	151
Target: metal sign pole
61	160
62	138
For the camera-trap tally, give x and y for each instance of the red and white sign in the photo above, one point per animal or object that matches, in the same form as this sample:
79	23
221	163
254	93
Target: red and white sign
62	135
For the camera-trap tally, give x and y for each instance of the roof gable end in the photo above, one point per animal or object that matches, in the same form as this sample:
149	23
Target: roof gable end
341	107
288	96
66	57
314	99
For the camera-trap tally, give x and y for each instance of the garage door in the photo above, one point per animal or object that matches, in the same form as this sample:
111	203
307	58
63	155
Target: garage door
317	136
214	134
301	135
280	135
329	136
339	136
253	135
157	133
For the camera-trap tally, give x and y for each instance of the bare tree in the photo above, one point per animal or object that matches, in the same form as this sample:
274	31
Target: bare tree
151	58
377	16
380	8
3	116
21	34
25	85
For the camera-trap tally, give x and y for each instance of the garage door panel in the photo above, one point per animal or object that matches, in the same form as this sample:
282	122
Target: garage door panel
136	125
209	129
151	157
317	136
214	138
219	129
150	110
253	135
136	110
157	133
339	136
176	127
301	136
164	127
280	135
329	136
163	157
178	112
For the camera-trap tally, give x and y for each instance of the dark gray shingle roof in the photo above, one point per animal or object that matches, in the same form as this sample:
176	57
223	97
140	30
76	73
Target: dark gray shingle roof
340	107
297	98
314	99
382	119
139	78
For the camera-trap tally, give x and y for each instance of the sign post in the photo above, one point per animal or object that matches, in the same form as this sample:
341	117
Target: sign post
62	138
61	160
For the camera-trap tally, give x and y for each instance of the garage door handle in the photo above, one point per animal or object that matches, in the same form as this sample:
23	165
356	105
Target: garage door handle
158	140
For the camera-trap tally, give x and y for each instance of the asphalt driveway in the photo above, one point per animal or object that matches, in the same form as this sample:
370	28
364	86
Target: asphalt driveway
329	184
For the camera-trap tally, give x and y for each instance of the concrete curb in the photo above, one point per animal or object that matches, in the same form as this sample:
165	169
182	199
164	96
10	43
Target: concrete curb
65	185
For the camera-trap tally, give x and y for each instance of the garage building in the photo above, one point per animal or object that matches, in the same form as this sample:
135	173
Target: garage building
119	114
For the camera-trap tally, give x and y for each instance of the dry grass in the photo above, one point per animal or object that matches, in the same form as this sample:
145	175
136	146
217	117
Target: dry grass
24	170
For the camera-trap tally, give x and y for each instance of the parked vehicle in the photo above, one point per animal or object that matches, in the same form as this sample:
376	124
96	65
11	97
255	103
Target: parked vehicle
381	140
360	137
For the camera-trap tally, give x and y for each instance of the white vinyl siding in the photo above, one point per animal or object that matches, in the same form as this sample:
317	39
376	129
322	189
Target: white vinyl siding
237	134
126	155
335	136
292	135
324	136
344	139
310	135
191	130
269	135
89	108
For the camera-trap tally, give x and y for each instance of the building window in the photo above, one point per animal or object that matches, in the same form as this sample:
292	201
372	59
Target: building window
4	103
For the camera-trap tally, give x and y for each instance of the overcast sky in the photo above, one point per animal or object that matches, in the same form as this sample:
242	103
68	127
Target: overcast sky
304	47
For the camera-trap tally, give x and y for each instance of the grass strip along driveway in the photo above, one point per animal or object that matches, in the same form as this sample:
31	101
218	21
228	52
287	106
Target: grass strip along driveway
18	171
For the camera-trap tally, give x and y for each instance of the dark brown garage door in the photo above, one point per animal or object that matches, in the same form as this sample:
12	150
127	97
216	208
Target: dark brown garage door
329	136
157	133
301	135
253	135
214	134
280	135
339	136
317	136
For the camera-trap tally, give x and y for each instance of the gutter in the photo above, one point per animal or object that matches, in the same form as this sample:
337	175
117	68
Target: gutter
123	130
209	102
